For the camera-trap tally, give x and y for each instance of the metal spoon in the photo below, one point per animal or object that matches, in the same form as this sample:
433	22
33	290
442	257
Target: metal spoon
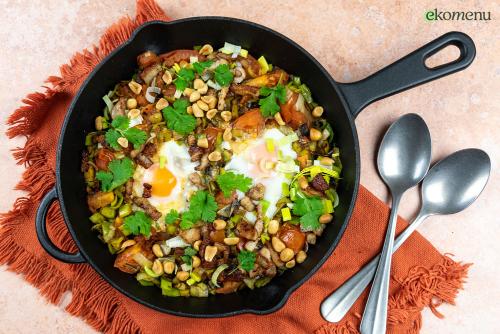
403	160
450	186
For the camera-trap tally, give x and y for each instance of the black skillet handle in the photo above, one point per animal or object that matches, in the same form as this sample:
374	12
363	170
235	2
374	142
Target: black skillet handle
43	236
408	72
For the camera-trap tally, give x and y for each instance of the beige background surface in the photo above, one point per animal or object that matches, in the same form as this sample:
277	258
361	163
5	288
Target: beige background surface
351	39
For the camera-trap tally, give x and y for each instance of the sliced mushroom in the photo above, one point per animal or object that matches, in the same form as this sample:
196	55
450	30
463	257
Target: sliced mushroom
149	73
119	108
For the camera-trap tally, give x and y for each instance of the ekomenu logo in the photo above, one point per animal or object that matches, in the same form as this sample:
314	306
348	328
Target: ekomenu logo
439	15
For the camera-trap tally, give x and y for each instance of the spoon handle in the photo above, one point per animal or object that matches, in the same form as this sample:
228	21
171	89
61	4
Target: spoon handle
336	306
375	314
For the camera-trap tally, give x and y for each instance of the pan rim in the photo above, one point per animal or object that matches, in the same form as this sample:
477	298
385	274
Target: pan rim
285	296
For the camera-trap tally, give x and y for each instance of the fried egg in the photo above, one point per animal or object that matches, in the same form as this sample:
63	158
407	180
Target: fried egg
269	160
171	188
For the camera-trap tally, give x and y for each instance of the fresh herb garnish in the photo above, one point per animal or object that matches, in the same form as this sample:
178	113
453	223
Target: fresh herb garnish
230	181
268	105
189	252
202	206
223	75
138	223
184	77
178	119
171	217
246	260
121	129
188	220
119	173
309	209
202	65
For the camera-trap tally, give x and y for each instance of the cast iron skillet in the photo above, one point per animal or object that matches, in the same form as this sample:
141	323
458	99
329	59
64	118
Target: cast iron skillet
342	103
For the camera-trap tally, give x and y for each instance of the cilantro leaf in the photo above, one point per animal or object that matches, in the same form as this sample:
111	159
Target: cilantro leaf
310	221
203	206
121	129
303	205
119	173
106	179
112	138
138	223
201	66
223	75
184	78
268	105
135	136
189	252
171	217
230	181
187	221
178	119
309	209
121	122
246	260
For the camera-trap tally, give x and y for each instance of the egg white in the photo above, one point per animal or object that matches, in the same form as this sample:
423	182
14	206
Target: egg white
178	162
247	160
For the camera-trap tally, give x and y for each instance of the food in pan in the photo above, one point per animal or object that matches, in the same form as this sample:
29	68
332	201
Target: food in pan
210	171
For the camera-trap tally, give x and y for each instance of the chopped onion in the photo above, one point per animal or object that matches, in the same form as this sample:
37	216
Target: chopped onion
205	76
193	59
142	260
287	140
228	48
249	282
240	194
177	94
231	49
150	90
108	102
236	51
176	242
287	167
251	217
185	267
135	121
166	250
213	85
335	199
216	274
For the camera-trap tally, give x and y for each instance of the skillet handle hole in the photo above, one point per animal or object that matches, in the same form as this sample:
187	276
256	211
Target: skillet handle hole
445	56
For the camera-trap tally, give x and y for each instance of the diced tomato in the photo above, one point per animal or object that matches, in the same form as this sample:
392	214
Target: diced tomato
103	158
250	122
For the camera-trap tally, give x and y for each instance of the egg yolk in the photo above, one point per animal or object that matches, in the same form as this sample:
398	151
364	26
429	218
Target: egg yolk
163	182
263	161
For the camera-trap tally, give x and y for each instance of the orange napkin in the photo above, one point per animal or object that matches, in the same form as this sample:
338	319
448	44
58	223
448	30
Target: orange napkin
421	276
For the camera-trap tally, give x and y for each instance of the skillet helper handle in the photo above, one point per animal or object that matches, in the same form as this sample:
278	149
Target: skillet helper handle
408	72
43	236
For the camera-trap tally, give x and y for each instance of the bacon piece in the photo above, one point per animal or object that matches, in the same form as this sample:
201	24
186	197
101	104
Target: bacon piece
172	57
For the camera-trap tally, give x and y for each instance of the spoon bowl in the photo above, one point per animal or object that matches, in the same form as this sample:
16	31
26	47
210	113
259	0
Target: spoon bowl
405	154
451	186
455	182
